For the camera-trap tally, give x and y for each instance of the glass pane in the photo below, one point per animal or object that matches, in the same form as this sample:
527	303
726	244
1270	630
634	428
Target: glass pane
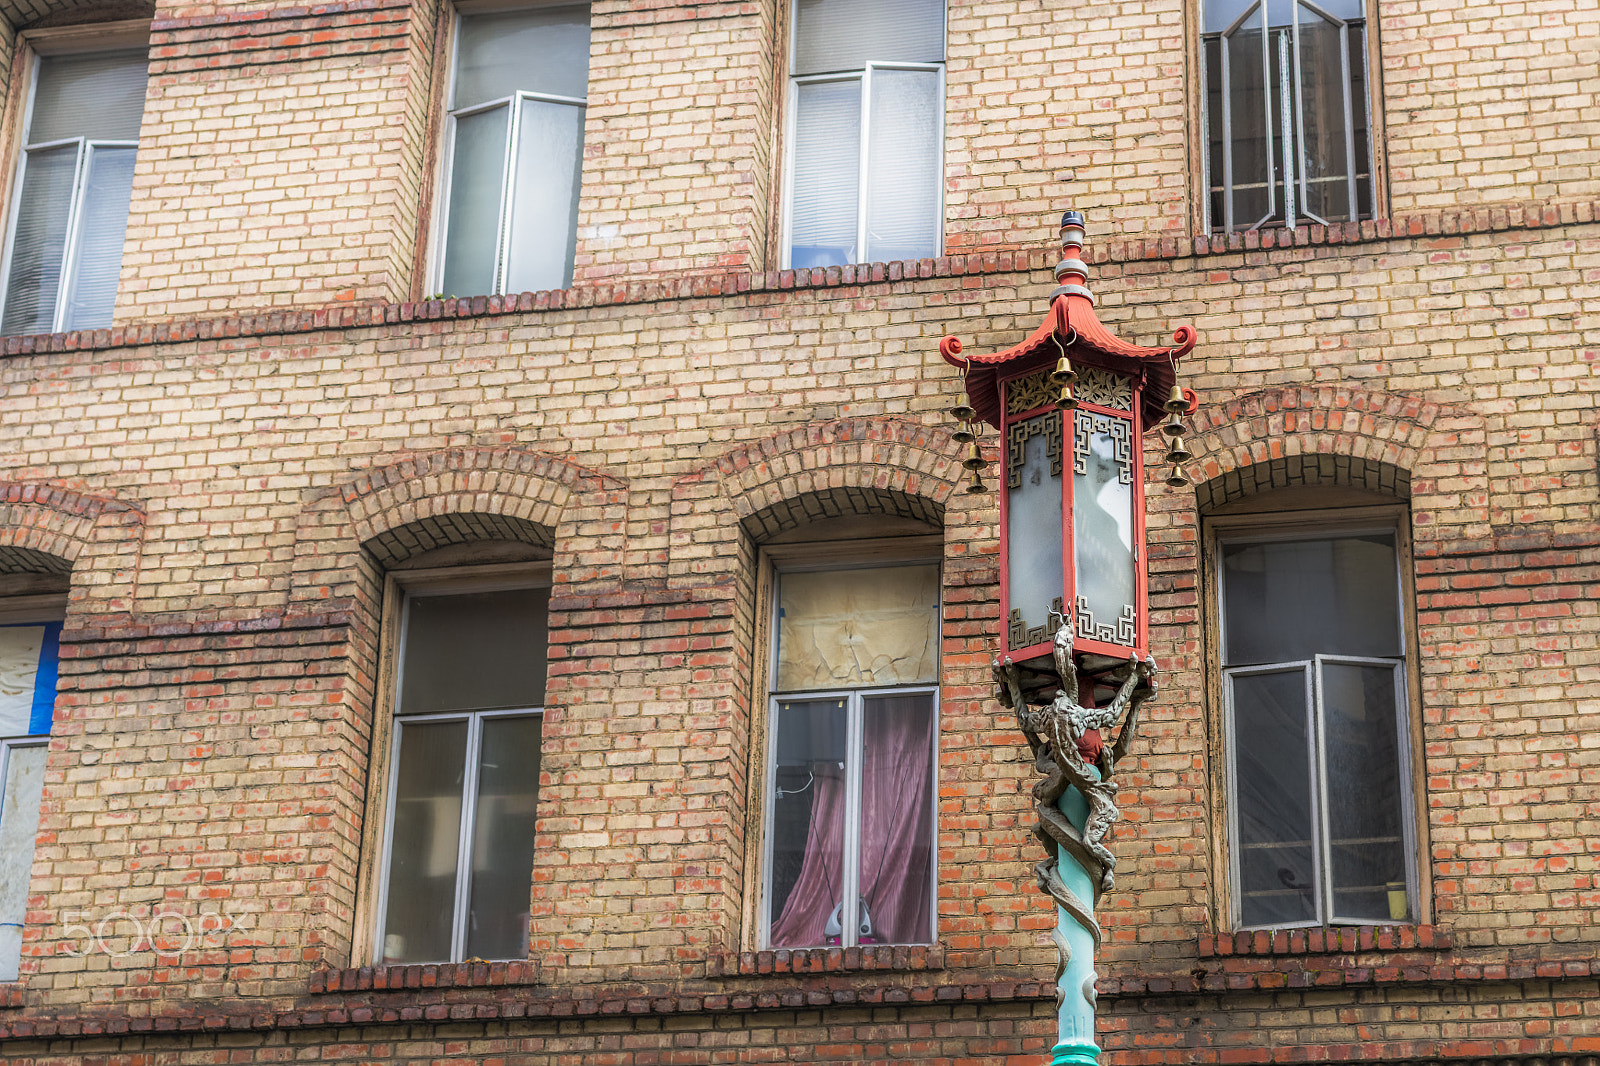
1211	62
1220	14
1299	598
904	169
477	175
108	188
808	811
1323	169
39	242
503	838
854	628
896	875
19	826
1035	580
1366	798
536	50
99	95
544	197
1273	791
848	34
1250	128
1102	519
424	842
475	651
20	648
827	174
1359	112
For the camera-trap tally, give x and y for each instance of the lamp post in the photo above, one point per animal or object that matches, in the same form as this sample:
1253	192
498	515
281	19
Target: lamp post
1072	403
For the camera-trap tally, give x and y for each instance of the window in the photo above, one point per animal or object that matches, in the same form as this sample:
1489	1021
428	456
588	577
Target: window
866	136
514	151
1288	140
1318	729
464	784
852	750
74	181
28	656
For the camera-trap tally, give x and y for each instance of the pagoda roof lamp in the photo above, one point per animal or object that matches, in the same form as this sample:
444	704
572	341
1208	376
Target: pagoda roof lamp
1072	404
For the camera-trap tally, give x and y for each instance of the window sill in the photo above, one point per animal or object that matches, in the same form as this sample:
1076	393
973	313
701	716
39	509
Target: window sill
887	958
425	975
1333	940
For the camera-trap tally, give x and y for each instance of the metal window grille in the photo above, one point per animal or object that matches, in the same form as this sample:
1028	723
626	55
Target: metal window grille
1285	109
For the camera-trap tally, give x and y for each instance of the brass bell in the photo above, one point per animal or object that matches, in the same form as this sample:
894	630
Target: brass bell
962	413
1176	478
1066	401
1176	452
1177	403
1063	374
975	486
964	435
974	460
1173	426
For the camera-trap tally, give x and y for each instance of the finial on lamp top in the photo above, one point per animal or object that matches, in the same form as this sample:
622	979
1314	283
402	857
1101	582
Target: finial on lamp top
1071	272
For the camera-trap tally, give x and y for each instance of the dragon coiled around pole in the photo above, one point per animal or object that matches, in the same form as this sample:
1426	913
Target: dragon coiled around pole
1053	732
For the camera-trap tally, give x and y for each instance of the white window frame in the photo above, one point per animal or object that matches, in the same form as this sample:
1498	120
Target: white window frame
508	176
1321	845
425	583
854	699
77	40
864	76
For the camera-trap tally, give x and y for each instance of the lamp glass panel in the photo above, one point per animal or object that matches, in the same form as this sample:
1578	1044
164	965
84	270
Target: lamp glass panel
1034	573
1103	526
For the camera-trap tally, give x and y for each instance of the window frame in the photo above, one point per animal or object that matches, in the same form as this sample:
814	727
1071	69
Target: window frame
791	98
31	46
383	761
448	114
803	557
1313	523
1200	158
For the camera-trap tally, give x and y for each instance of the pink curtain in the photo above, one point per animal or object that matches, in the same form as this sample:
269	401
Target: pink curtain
896	835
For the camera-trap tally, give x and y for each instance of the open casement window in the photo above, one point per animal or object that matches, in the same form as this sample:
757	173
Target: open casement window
514	151
866	132
464	780
853	740
1318	729
1286	112
28	658
74	181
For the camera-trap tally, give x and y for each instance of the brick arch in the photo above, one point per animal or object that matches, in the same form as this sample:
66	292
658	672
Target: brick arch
45	528
450	497
850	464
796	511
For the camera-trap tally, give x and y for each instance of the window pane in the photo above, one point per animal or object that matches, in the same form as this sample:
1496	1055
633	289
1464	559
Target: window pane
1323	161
503	838
848	34
1365	793
827	174
1250	126
544	196
99	96
20	649
808	823
424	842
108	189
1359	111
1295	599
1102	516
853	628
1220	14
536	50
1273	793
40	240
896	871
1035	580
1211	61
904	168
477	176
19	826
475	651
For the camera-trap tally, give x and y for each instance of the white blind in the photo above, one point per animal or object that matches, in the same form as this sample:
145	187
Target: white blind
108	189
544	198
99	96
903	165
477	174
536	50
827	174
39	243
835	35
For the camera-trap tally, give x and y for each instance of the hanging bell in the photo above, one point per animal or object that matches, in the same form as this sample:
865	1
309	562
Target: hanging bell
962	413
976	485
1177	453
964	434
1063	374
1066	401
1173	426
1176	478
1177	403
974	460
